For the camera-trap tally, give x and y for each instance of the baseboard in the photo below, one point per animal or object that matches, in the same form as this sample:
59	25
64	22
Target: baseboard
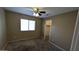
4	46
21	39
57	46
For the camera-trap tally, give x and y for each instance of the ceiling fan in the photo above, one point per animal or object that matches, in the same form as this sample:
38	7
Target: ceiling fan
38	12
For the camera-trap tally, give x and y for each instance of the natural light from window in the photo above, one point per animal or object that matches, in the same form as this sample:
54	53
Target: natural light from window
27	25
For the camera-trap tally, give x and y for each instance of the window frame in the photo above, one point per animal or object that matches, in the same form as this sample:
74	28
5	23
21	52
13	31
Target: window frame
28	25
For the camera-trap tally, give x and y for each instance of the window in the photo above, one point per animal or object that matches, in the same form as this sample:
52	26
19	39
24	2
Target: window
27	25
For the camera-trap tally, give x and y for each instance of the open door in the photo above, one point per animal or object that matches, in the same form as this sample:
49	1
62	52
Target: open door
47	29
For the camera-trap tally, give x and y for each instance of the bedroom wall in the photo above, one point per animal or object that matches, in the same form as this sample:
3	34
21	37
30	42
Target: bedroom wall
13	27
2	29
75	40
63	28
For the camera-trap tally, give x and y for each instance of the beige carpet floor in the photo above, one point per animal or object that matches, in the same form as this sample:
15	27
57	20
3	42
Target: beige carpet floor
31	45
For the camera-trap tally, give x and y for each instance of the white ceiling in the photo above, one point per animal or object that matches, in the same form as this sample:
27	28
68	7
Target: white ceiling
50	11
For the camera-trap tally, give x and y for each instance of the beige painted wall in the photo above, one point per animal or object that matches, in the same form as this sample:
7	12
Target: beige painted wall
13	27
63	28
2	29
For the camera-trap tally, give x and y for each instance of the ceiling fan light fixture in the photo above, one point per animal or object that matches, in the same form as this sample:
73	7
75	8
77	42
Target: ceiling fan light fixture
36	10
36	14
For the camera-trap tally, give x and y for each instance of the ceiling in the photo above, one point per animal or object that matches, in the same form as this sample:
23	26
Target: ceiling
50	11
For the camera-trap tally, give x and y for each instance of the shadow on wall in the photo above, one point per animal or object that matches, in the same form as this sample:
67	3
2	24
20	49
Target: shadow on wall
2	29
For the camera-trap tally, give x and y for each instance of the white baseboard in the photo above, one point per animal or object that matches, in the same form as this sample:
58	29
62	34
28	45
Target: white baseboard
57	46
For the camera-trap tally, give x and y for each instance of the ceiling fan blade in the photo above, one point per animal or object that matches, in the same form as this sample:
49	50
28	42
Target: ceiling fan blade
42	12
